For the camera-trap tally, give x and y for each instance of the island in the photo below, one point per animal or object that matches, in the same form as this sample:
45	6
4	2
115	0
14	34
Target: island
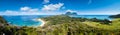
71	13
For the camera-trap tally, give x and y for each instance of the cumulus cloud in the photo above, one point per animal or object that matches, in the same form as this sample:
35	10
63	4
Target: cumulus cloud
28	13
28	9
8	12
52	7
70	11
22	11
25	8
46	1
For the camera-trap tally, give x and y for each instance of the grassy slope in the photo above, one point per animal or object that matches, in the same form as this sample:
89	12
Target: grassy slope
114	25
64	25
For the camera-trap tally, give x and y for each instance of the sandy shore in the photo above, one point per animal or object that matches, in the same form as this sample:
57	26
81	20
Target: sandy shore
43	22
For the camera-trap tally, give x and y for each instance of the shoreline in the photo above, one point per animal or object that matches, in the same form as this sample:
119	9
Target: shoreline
42	22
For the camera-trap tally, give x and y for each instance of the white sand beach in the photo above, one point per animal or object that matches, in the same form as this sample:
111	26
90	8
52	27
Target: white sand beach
43	22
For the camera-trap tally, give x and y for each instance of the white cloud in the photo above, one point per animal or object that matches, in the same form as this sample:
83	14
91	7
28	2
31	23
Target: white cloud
15	13
28	9
52	7
22	11
25	8
70	11
32	11
46	1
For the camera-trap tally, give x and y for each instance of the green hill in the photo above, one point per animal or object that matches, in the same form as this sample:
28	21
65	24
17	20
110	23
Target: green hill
65	25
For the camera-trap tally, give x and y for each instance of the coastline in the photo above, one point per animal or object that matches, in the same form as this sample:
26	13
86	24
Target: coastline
42	22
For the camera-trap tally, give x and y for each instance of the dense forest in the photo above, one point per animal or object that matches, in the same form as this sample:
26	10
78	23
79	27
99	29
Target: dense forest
65	25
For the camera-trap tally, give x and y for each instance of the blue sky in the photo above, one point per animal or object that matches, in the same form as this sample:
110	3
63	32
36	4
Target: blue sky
53	7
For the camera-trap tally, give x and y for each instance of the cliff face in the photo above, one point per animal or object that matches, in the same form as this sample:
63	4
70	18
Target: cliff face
2	21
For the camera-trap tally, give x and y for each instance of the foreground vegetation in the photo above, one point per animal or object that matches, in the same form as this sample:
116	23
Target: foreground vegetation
65	25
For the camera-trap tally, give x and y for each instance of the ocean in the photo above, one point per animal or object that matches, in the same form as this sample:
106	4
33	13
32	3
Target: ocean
93	16
24	20
30	20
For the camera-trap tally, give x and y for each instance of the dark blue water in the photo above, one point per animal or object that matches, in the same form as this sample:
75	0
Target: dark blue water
29	20
93	16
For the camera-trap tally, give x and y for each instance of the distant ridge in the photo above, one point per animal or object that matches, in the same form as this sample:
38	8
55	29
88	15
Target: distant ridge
71	13
115	16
